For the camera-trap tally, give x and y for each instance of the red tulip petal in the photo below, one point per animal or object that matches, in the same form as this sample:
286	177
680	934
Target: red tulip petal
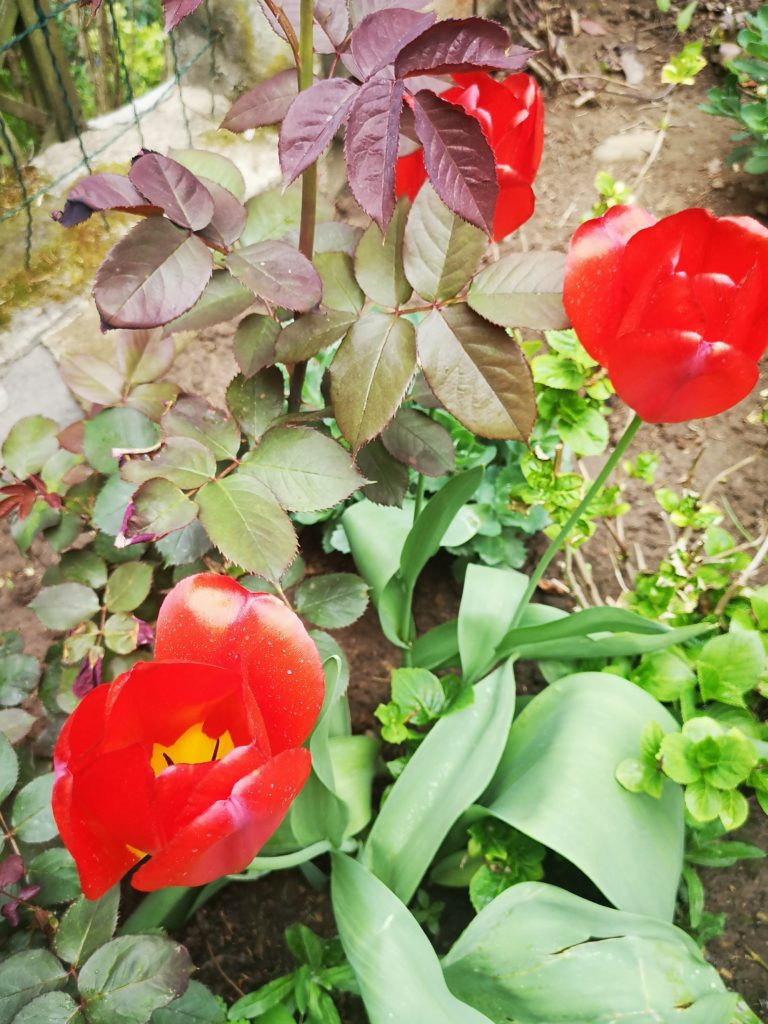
173	789
717	298
678	242
283	669
101	859
592	292
157	702
736	244
668	303
197	620
228	834
82	732
669	376
115	792
513	208
410	174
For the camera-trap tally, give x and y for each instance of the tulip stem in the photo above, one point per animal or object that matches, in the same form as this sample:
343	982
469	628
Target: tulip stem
559	541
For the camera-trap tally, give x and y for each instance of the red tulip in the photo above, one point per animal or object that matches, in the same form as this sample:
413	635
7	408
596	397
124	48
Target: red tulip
194	758
675	310
511	114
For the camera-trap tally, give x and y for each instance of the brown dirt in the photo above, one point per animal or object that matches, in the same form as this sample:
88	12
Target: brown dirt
237	939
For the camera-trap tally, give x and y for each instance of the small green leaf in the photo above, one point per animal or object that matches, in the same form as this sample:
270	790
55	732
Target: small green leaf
703	801
183	546
419	442
734	809
340	289
121	633
128	978
84	567
257	401
254	344
182	460
304	469
729	666
247	525
160	508
678	758
194	417
65	605
29	444
110	505
18	677
254	1004
332	600
418	693
24	977
51	1008
86	925
522	290
198	1005
379	261
55	872
127	586
31	818
664	674
119	429
440	250
9	768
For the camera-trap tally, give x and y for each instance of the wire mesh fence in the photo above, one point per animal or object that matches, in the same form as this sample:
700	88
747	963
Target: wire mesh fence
42	90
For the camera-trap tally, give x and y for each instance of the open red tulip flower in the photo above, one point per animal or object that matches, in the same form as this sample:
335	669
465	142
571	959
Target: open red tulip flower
193	759
676	310
511	114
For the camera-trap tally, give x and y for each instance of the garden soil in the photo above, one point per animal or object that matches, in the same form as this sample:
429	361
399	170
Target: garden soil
672	155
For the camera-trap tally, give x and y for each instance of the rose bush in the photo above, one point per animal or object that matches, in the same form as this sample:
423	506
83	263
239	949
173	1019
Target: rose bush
194	758
676	310
511	114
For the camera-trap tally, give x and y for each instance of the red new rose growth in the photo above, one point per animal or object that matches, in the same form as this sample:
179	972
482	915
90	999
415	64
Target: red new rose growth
676	310
511	114
192	759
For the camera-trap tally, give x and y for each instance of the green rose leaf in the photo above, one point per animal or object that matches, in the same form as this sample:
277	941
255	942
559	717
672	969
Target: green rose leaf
198	1005
128	585
333	600
29	444
478	372
159	508
194	417
182	460
55	872
84	567
24	977
311	333
9	768
247	525
370	375
340	289
224	298
118	429
389	478
419	442
31	816
64	605
254	344
51	1008
86	926
110	505
379	261
304	469
257	400
18	678
125	980
440	250
121	633
522	290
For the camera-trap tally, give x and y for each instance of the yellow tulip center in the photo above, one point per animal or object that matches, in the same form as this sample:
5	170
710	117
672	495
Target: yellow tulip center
192	747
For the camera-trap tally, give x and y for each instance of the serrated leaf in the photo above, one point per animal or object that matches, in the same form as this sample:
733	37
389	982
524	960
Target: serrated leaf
118	429
419	442
332	600
522	290
272	214
182	460
247	525
198	1005
111	504
440	251
15	724
304	469
64	605
169	185
31	818
91	378
370	146
267	103
379	261
121	633
51	1008
151	276
159	508
311	333
86	925
255	340
389	478
9	768
183	546
340	288
128	978
379	38
143	356
478	372
223	299
55	872
18	677
229	217
127	586
257	401
458	158
278	273
194	417
370	375
24	977
312	120
30	443
471	44
214	167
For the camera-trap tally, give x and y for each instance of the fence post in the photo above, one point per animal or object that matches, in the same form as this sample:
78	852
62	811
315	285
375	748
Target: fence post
46	54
